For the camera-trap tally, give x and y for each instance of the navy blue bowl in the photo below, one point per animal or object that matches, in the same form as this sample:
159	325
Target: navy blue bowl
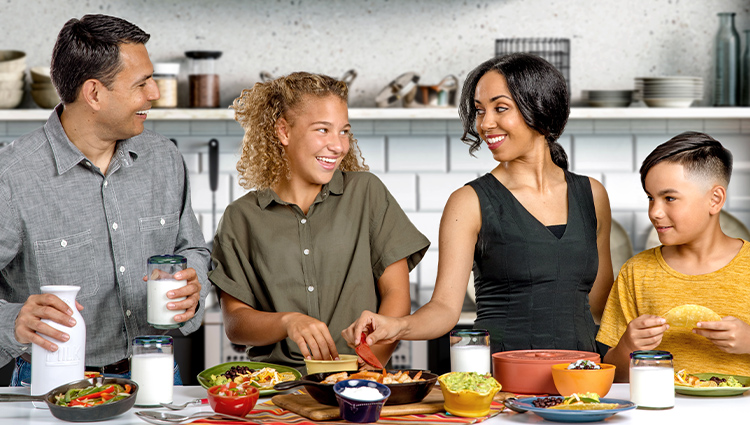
361	411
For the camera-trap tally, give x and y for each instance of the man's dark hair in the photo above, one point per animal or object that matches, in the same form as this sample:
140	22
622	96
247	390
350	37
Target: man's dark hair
700	154
89	48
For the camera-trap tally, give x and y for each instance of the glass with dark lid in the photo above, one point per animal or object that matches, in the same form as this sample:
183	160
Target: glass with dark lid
203	78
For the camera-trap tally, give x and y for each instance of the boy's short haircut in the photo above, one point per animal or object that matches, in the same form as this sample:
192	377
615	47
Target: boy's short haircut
700	154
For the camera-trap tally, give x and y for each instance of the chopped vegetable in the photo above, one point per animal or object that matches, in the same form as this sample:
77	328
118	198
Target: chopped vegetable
93	395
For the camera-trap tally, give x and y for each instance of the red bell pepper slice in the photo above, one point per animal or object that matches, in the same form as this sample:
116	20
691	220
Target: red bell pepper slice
363	350
96	394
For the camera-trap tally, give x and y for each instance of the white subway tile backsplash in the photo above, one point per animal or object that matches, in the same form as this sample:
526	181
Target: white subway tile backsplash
579	127
625	192
417	153
435	188
456	127
238	191
188	143
19	128
643	230
3	128
362	128
745	126
460	159
645	144
208	127
429	127
648	126
172	128
235	129
207	224
200	192
611	126
428	271
724	126
227	162
428	223
738	192
603	152
403	187
739	145
388	127
192	162
675	127
373	150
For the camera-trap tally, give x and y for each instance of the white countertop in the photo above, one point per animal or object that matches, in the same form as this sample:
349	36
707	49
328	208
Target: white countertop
424	113
687	410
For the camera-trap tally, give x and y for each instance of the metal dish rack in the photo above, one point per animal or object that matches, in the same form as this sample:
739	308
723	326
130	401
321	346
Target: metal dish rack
554	50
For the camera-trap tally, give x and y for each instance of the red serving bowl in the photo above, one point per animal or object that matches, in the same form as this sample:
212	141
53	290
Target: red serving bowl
530	371
233	405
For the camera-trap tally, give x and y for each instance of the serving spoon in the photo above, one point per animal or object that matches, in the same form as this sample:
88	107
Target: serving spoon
165	418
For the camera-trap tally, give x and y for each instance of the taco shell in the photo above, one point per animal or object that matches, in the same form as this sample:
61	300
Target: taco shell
688	315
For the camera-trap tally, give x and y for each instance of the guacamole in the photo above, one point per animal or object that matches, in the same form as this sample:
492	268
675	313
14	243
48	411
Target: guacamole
470	381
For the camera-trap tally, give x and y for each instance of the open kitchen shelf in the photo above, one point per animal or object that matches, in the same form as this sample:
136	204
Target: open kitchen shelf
425	113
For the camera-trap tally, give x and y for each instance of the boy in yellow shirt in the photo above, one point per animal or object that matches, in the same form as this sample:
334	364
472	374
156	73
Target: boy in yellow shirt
686	182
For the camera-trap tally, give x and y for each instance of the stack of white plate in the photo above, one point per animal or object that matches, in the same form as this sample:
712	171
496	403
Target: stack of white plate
12	78
608	98
670	92
42	90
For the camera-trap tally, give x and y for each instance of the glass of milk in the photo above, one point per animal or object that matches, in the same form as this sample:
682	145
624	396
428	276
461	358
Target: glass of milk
161	269
652	379
470	351
152	368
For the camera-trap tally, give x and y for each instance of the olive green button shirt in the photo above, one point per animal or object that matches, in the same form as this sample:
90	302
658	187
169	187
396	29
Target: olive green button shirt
325	264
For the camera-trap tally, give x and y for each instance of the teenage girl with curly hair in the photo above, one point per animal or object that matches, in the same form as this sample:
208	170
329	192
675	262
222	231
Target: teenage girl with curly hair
319	239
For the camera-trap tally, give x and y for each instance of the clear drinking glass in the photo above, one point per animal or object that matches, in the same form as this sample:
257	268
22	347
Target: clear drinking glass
652	379
152	368
161	270
470	351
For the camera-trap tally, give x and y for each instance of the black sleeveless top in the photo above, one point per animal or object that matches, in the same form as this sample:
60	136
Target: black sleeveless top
531	286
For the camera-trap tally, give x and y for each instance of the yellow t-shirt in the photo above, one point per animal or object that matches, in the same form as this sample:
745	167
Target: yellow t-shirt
647	285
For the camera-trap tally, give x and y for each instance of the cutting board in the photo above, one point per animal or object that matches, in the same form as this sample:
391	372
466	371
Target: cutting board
304	405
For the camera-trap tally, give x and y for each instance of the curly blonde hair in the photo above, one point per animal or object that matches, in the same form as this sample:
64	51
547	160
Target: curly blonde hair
263	162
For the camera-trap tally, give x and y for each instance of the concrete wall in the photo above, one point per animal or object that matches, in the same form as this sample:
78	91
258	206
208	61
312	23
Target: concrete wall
612	41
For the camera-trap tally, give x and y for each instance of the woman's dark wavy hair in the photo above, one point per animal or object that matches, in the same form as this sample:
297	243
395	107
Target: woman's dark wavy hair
700	154
89	48
539	90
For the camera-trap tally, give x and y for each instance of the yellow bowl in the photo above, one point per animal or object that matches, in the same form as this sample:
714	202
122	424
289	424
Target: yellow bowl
569	381
467	403
347	362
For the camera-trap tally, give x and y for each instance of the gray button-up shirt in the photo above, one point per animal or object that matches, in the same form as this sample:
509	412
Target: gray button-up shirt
63	222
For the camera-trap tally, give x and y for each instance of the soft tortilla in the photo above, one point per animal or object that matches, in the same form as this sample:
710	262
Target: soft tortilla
688	316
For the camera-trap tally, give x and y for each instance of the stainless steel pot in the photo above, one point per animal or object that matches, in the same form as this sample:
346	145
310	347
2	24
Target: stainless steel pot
443	94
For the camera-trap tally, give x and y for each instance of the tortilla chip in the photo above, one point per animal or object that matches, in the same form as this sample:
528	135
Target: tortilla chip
688	316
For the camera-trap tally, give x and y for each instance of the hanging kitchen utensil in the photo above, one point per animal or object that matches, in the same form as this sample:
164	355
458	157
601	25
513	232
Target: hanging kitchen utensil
443	94
363	350
213	177
397	89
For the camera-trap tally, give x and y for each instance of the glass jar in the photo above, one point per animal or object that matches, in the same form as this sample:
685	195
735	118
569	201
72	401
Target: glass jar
727	78
203	79
652	379
152	368
470	351
161	270
165	75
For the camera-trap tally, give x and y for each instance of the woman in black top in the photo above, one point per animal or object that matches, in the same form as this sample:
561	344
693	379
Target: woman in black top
536	234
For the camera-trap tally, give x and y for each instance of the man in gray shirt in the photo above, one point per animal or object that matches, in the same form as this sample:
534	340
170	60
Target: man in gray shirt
87	198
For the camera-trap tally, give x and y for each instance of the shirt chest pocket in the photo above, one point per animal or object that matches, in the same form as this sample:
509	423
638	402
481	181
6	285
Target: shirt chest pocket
158	234
68	260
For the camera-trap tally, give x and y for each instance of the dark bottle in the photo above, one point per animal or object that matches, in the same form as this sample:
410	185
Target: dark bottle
727	83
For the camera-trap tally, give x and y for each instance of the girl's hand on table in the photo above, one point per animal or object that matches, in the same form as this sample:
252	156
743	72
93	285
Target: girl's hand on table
730	334
311	335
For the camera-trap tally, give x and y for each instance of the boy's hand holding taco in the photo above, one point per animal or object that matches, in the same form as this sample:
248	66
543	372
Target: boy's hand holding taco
729	334
644	333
